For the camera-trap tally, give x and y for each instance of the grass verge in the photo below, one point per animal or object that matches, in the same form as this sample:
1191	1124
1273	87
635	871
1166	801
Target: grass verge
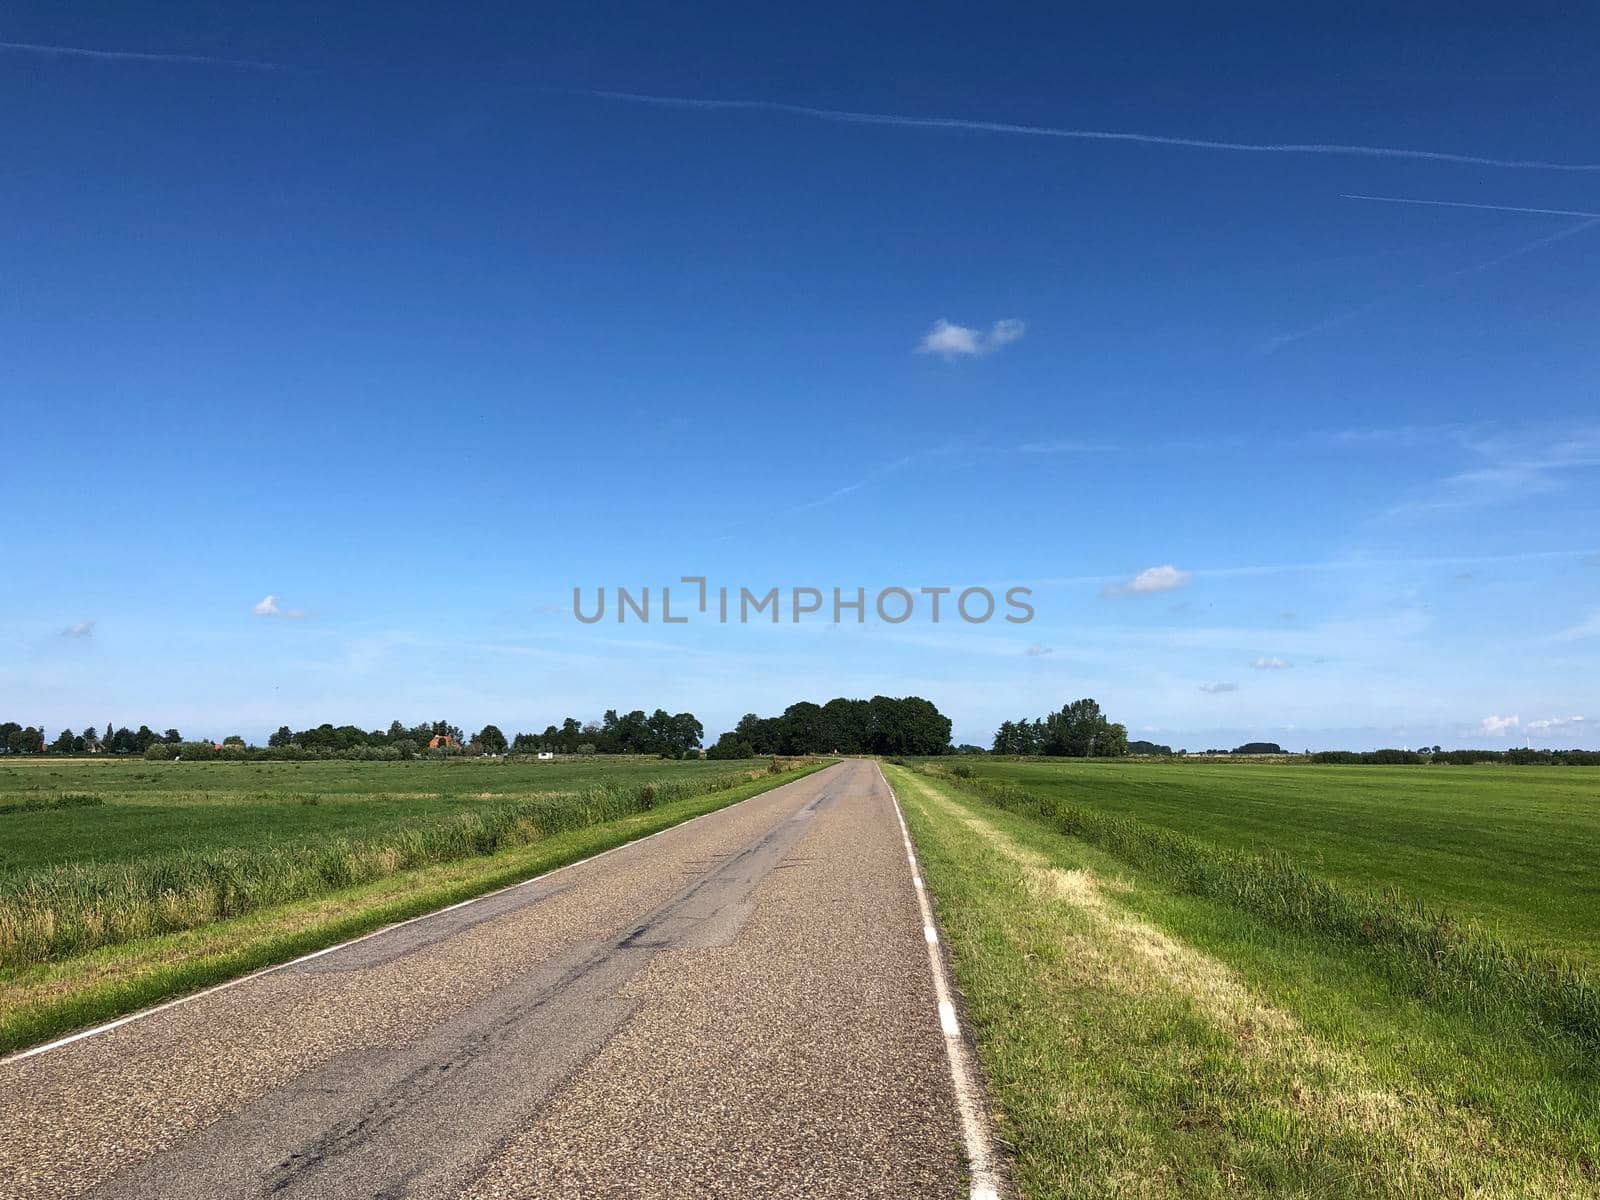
1144	1041
45	1000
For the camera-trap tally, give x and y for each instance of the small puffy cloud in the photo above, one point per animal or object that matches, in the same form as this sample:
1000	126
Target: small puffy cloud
951	341
82	629
1215	689
269	607
1038	650
1270	663
1151	579
1499	726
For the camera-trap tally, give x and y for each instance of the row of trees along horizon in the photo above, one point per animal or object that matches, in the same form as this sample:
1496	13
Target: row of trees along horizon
882	725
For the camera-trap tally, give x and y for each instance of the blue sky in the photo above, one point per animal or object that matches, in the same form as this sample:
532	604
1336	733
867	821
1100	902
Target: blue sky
415	319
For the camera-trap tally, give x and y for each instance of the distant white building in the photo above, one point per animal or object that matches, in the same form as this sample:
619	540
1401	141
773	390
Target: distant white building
546	755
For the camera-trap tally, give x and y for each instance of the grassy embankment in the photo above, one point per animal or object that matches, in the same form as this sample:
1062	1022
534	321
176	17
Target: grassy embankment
184	875
1165	1014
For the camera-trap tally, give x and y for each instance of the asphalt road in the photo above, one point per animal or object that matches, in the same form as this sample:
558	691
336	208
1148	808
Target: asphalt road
743	1005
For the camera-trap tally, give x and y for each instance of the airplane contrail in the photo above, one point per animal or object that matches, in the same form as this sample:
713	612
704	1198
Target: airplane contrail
1093	135
119	55
1549	212
1388	298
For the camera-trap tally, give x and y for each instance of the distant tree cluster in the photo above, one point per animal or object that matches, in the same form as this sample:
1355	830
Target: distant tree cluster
1257	748
1140	746
1078	730
30	739
882	725
662	733
405	740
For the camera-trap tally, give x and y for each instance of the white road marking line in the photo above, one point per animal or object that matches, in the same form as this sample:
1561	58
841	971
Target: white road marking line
97	1030
975	1130
947	1020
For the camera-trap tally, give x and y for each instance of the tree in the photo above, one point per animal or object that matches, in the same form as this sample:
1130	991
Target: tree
490	740
801	729
233	739
1078	730
284	737
172	737
730	745
63	743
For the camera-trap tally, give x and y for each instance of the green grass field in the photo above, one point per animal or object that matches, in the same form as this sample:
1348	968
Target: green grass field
1171	1003
123	883
1515	848
155	808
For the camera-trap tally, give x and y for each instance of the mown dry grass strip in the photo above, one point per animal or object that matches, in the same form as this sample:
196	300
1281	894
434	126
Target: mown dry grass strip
1126	1061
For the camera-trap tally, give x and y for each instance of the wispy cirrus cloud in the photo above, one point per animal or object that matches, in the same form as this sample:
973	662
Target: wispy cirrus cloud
1270	663
1587	628
80	629
1149	580
268	606
950	341
1039	650
1511	468
959	124
37	48
1216	689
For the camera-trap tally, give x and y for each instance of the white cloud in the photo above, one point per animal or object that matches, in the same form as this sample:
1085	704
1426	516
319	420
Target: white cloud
269	607
1216	689
951	341
1499	726
135	55
82	629
1587	628
1567	725
1091	135
1270	663
1040	651
1151	579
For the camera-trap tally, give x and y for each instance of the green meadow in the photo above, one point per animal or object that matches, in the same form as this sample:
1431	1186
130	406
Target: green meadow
1252	980
123	809
1513	848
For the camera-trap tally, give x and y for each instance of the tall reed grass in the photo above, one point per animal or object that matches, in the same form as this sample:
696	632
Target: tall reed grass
1429	953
